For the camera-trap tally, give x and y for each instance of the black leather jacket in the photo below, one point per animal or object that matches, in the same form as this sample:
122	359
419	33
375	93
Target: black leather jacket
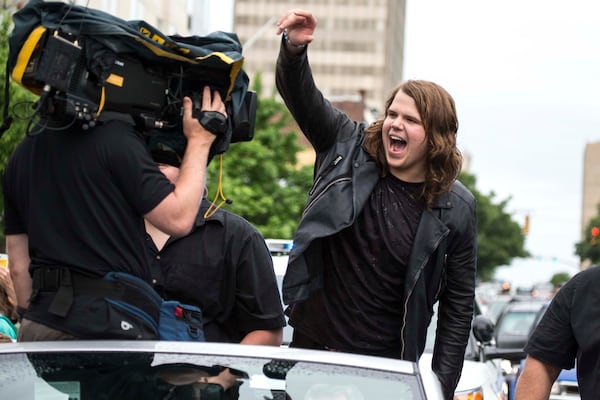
442	263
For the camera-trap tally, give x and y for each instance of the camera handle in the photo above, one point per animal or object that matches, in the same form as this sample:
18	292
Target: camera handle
212	121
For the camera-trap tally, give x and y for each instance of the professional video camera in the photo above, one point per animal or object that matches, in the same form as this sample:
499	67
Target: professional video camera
85	63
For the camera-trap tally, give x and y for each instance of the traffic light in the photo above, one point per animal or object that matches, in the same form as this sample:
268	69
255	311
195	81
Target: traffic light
595	231
526	225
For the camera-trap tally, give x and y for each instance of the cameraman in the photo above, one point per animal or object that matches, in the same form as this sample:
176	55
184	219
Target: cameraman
75	203
222	266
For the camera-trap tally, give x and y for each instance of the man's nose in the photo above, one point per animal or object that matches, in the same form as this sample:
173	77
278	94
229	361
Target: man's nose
397	124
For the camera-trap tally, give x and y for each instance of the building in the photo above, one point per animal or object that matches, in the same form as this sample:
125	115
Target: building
169	17
591	185
357	57
211	15
358	49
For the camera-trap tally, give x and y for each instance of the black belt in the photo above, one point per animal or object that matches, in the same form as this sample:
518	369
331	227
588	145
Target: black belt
67	283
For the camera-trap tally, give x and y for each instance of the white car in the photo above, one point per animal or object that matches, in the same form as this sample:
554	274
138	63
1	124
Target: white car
479	380
482	375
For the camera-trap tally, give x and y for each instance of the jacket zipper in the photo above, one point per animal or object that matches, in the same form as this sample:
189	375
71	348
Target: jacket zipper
327	170
402	340
309	205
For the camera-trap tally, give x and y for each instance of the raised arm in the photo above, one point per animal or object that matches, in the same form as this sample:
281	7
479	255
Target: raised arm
319	121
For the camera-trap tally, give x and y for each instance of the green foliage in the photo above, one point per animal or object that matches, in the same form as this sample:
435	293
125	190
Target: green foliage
589	247
500	239
559	279
261	176
20	102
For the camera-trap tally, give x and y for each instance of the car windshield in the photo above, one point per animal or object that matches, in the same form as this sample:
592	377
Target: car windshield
494	307
516	323
89	373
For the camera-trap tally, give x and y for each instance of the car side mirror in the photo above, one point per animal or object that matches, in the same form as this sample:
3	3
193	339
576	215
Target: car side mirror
483	329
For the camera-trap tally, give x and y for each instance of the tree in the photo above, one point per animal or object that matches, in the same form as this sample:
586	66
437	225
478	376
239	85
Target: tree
589	247
262	176
20	102
559	279
500	239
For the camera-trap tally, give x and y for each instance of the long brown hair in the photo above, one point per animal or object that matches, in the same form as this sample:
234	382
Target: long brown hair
438	113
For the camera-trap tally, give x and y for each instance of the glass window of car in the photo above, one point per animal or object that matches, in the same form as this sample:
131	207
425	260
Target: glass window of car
147	370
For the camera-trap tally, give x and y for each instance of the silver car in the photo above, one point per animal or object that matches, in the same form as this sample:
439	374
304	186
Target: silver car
131	370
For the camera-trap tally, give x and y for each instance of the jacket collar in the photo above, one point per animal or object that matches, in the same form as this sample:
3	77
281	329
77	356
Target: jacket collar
443	201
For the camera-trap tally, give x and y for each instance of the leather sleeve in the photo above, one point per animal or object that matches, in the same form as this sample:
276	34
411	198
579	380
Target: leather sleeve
457	300
319	120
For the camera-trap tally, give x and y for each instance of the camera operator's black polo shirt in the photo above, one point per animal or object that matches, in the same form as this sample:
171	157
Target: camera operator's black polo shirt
80	196
224	267
568	331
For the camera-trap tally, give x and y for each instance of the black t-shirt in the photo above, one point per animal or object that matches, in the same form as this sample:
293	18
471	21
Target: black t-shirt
569	330
80	196
224	267
360	307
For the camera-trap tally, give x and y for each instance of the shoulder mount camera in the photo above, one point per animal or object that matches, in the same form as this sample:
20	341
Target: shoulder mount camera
84	63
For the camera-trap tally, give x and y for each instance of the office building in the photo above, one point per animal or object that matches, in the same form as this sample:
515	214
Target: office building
169	17
591	185
358	47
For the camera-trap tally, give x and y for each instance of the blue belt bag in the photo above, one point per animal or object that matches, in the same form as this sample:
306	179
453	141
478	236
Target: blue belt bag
180	322
177	321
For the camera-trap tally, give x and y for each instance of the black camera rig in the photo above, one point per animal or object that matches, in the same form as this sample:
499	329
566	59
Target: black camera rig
85	64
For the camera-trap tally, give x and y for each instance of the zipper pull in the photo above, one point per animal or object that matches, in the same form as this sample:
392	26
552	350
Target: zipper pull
327	170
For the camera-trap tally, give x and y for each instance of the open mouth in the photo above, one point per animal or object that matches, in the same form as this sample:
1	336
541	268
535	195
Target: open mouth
397	144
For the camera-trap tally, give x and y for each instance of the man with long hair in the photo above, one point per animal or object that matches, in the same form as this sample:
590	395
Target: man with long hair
387	231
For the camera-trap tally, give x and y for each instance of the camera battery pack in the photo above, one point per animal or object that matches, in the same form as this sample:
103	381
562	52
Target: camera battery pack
58	63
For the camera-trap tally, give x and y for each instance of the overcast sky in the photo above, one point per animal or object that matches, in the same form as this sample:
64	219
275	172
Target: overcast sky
525	75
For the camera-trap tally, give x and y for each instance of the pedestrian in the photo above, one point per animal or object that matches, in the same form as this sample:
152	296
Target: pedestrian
8	313
8	298
566	334
223	266
75	202
387	230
